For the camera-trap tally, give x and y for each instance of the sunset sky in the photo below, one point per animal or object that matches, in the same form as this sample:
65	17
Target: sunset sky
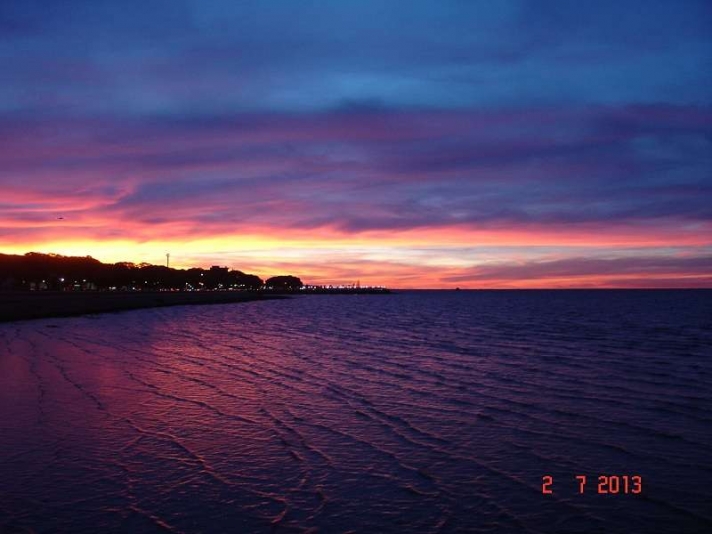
411	144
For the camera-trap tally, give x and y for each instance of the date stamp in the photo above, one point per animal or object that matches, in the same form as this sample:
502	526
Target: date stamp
601	485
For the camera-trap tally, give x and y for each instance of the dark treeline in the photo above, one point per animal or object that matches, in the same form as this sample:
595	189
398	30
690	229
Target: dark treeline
65	273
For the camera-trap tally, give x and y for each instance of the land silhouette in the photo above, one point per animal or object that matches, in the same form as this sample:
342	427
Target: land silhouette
54	272
36	285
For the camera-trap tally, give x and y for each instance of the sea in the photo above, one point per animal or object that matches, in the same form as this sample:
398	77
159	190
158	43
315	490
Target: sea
578	411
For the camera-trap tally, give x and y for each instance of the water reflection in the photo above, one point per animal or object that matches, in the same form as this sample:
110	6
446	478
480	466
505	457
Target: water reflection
426	412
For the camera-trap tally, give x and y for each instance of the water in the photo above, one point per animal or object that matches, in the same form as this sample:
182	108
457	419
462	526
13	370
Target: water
413	412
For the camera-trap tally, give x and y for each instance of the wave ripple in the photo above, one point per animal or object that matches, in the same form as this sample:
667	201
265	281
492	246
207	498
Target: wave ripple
414	412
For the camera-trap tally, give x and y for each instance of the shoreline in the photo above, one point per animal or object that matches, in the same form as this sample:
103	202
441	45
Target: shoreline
22	306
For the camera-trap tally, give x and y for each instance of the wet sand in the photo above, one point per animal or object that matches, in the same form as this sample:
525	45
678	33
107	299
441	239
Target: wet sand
17	306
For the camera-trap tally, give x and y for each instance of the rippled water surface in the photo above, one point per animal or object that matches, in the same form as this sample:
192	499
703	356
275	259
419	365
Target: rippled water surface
412	412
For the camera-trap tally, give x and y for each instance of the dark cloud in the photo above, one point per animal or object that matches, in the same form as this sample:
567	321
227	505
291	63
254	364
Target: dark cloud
382	169
640	267
223	57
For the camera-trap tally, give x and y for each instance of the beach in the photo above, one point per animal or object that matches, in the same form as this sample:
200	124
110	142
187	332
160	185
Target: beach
22	305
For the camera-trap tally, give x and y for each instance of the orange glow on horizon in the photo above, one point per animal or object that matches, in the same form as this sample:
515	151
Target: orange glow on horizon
391	258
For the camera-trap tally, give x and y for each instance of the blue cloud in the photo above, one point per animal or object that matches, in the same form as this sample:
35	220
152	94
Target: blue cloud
181	57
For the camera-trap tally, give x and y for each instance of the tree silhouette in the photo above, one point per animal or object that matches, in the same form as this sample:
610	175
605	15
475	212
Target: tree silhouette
57	272
284	283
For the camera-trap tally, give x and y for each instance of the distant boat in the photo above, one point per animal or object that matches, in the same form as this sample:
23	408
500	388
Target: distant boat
457	289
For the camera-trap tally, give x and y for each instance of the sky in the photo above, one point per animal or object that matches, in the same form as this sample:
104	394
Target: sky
451	143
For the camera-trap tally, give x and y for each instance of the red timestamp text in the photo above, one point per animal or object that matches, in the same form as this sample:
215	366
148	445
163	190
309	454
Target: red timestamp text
601	485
